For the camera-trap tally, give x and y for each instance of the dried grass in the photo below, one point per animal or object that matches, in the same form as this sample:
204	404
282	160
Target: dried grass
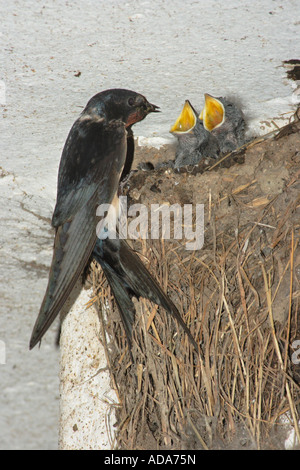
240	297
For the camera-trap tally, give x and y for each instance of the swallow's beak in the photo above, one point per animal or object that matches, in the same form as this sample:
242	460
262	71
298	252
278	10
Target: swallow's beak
186	120
152	108
213	113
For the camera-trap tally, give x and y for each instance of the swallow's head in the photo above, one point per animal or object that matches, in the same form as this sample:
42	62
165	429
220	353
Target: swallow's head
136	108
213	113
186	121
120	104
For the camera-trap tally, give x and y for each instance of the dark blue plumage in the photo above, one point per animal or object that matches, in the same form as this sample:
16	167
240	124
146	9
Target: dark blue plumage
97	155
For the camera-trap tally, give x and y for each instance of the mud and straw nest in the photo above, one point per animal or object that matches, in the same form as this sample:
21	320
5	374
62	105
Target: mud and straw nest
239	294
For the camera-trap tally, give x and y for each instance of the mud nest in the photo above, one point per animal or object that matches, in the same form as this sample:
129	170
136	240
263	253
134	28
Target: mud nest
239	294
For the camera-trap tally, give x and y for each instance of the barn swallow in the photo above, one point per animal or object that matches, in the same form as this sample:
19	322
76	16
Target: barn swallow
225	120
194	141
98	153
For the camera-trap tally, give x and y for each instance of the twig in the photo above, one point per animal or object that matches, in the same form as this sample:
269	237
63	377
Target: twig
277	349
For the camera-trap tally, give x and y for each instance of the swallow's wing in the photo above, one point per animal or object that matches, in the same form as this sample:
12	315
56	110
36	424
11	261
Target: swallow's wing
92	162
129	155
90	159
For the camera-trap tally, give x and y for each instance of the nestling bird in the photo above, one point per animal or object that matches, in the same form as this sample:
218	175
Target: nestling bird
225	120
194	141
98	152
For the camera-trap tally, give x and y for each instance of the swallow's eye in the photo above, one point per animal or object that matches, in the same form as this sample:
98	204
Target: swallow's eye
131	101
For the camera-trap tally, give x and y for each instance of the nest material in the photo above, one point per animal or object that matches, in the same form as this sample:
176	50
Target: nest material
239	295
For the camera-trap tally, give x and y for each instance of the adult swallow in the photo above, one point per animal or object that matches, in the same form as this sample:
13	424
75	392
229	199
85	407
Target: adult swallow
194	142
225	120
98	152
91	165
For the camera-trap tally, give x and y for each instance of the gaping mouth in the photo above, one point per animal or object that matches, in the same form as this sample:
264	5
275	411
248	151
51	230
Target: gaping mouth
186	120
213	113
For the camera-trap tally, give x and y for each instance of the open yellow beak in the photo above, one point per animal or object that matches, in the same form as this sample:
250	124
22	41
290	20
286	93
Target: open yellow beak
186	120
213	113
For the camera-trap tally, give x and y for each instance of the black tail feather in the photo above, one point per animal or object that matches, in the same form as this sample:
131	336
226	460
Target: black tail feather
128	277
123	300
